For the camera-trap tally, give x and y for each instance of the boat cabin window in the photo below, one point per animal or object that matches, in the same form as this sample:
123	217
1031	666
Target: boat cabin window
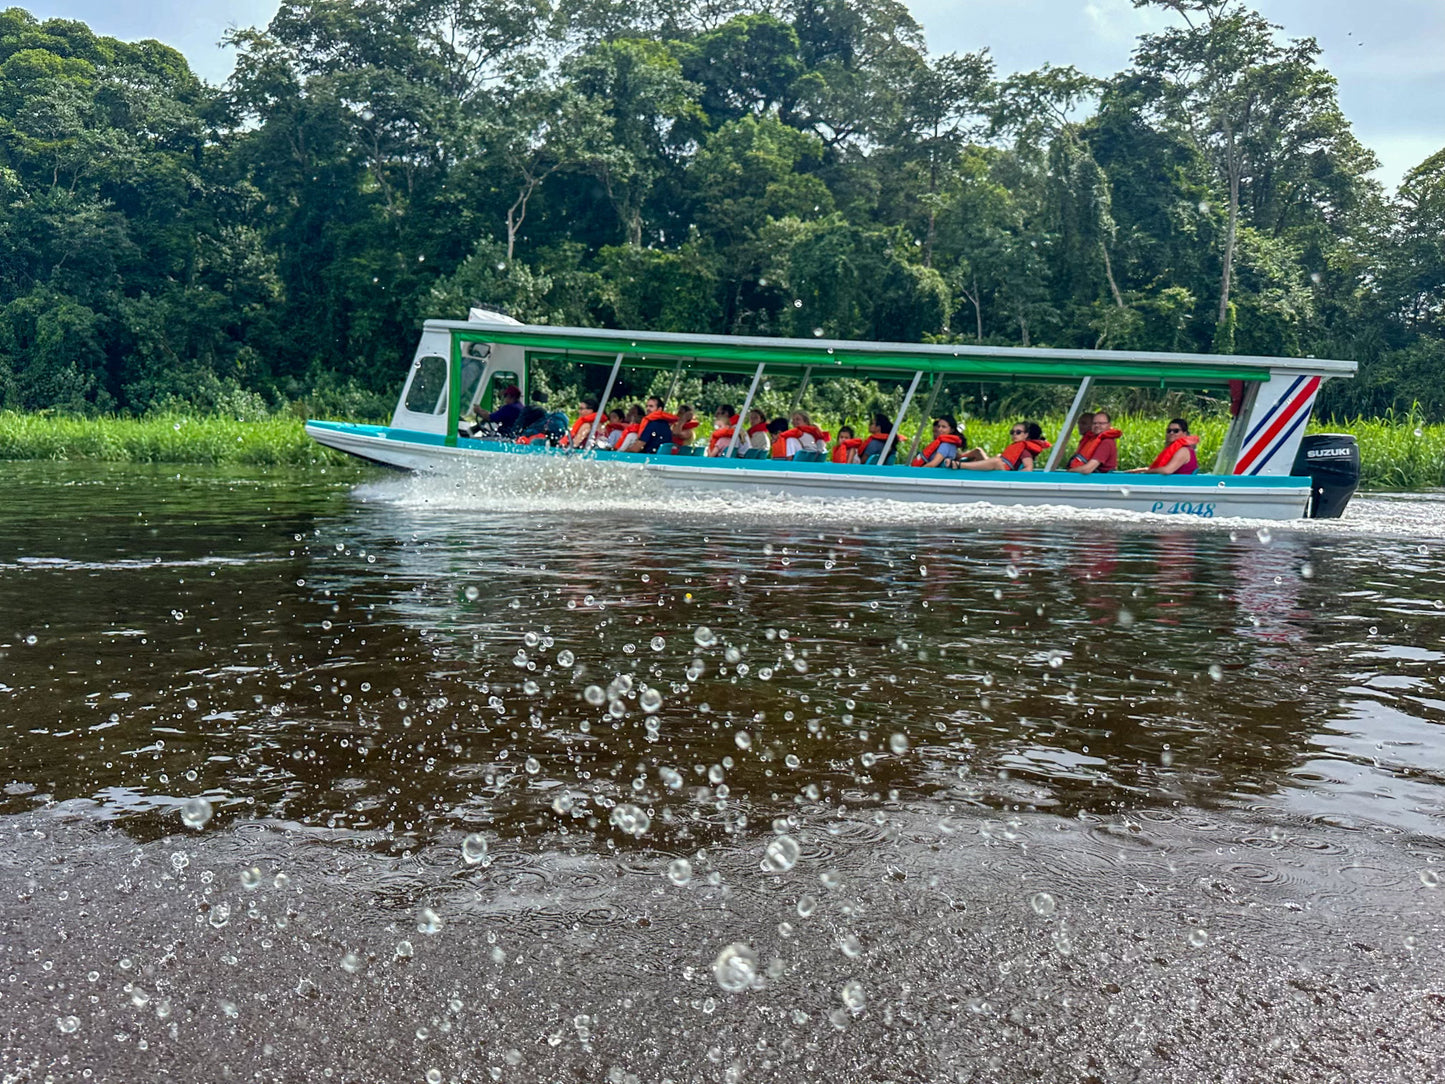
427	392
471	382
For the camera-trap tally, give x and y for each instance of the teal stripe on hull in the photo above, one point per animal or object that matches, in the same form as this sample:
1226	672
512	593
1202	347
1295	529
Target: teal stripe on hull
1192	482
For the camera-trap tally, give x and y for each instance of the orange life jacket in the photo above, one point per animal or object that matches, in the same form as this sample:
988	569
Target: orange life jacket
581	427
813	431
719	437
1188	440
658	416
1013	455
627	431
1090	443
754	430
840	453
939	442
780	443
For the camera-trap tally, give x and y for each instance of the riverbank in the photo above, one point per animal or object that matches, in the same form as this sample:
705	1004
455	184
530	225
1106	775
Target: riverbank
162	438
1396	453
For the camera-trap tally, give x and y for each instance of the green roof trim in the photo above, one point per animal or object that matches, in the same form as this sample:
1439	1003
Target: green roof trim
741	355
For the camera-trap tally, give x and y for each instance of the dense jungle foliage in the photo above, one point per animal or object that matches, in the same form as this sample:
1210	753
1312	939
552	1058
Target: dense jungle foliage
794	167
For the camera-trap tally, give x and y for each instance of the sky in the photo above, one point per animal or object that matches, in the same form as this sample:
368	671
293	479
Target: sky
1389	55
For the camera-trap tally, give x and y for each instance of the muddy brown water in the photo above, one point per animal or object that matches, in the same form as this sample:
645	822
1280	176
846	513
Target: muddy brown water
557	778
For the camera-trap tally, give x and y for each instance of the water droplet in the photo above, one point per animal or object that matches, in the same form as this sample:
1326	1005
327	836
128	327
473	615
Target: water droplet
250	878
854	997
1307	571
68	1025
704	636
472	593
1216	672
807	904
433	1076
850	946
650	701
736	968
563	803
781	854
594	695
1429	878
898	743
658	643
474	849
743	740
1011	571
351	963
679	871
565	659
1043	904
1263	534
1198	938
532	765
195	813
632	819
404	950
428	921
32	640
531	639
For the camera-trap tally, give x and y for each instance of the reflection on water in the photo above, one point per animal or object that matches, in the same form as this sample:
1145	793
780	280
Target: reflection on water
1240	722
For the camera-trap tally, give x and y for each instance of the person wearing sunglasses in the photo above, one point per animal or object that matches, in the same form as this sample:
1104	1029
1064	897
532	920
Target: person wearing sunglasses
1178	456
1026	441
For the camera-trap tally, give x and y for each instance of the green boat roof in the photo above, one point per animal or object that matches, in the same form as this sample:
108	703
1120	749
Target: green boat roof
872	360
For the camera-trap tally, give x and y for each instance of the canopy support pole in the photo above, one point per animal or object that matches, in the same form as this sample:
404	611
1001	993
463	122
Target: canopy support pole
743	414
927	413
606	395
1061	445
672	388
803	387
893	436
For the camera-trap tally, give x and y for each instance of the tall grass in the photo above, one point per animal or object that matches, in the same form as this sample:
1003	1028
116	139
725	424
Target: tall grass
161	438
1396	452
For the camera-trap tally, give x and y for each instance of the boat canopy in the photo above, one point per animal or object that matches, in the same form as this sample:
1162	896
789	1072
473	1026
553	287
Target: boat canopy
822	358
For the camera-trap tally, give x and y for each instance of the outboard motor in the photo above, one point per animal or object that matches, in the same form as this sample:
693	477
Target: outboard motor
1331	461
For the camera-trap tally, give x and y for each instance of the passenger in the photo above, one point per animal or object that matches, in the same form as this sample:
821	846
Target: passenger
629	439
780	443
848	446
878	430
684	429
612	432
947	444
809	435
586	416
1178	456
656	428
758	436
724	423
1098	453
1027	441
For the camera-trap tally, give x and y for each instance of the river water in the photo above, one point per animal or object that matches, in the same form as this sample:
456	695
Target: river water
556	778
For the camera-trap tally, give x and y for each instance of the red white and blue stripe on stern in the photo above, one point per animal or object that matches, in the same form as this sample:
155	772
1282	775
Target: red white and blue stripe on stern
1281	409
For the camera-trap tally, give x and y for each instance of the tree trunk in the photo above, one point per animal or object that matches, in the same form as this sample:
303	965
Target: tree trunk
1109	274
1231	232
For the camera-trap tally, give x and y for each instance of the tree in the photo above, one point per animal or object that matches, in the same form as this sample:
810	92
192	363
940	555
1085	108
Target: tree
1258	110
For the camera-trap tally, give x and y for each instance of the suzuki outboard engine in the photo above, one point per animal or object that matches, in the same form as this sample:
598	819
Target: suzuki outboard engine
1331	461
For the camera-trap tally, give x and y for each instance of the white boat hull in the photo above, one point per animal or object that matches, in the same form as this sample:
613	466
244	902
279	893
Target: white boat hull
1196	496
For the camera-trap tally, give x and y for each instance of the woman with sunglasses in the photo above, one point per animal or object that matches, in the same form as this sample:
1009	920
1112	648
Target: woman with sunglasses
1178	455
1026	441
947	444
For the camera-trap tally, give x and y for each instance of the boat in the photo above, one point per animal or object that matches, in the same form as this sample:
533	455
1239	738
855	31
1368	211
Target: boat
1265	469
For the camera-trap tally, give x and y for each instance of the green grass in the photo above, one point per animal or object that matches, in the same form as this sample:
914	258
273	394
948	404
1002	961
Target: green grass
161	438
1397	452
